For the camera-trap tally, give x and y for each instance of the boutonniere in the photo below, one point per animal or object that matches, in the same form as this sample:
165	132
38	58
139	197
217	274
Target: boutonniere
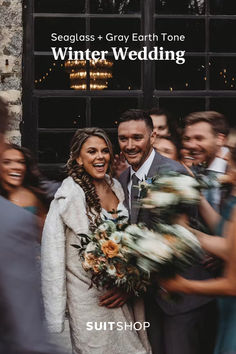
143	186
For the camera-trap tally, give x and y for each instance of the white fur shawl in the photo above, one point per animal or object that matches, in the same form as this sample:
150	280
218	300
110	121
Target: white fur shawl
67	210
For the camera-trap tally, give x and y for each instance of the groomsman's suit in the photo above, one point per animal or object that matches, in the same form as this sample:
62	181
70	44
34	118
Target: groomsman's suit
185	327
21	321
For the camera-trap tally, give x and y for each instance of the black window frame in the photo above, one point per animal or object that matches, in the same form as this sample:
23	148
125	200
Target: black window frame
147	96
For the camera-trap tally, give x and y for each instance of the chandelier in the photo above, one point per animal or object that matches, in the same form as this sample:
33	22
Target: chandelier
99	73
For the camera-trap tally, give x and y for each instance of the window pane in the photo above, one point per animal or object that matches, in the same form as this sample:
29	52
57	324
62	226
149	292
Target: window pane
62	113
180	7
109	28
53	172
222	73
50	74
188	76
114	6
193	30
180	107
67	6
126	75
223	7
54	148
227	106
222	37
114	140
59	32
106	112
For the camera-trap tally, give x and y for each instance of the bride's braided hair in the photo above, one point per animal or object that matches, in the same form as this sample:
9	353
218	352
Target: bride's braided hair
80	175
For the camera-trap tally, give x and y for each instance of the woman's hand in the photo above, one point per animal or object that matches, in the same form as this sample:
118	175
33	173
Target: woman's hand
114	298
177	284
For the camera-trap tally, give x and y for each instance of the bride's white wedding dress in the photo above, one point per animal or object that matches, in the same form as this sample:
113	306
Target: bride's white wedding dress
66	284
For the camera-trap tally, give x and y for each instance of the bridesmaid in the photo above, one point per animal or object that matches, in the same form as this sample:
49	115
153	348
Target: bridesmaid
224	248
20	181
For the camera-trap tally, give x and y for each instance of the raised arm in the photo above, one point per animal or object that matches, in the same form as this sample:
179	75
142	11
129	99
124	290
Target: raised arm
217	245
225	285
209	215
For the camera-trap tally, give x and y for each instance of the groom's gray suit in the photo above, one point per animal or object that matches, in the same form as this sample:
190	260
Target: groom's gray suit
189	305
21	321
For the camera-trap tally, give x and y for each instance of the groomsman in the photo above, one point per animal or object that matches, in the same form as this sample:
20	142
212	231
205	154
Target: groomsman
204	137
186	327
21	321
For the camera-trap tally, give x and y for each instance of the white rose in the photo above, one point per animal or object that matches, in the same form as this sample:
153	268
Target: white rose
134	230
165	180
111	269
186	235
103	227
116	236
183	181
151	234
145	264
126	238
163	199
190	194
108	224
154	249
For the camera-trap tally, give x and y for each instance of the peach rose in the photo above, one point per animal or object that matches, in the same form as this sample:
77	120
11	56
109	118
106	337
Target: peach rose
110	248
89	261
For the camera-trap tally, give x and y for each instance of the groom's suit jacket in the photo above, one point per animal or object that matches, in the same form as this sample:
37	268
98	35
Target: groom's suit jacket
187	302
21	319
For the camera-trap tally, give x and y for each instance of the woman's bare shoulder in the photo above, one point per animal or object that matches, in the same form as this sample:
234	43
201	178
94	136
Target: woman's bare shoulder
24	197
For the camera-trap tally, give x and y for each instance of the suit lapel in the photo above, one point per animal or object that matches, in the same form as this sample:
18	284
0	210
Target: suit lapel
152	171
154	166
124	180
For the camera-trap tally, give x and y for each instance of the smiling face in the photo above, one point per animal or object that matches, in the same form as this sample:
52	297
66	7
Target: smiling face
135	139
95	157
12	169
160	125
166	148
202	142
186	157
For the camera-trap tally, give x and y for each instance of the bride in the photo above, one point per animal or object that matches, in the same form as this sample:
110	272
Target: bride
84	198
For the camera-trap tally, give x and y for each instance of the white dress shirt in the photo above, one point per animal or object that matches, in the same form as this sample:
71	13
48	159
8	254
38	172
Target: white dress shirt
219	166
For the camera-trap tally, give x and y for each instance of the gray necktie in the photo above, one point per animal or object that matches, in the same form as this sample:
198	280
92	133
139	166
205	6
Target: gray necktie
134	196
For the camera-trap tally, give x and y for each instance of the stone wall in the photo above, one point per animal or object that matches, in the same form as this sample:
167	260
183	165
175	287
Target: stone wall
11	44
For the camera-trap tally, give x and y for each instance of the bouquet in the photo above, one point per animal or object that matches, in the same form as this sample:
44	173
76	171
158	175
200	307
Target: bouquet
109	260
122	255
126	256
169	195
166	251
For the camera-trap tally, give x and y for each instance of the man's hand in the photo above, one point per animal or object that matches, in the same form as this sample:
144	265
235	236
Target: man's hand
114	298
120	164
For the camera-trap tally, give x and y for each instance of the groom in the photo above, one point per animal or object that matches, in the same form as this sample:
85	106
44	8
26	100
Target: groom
186	327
